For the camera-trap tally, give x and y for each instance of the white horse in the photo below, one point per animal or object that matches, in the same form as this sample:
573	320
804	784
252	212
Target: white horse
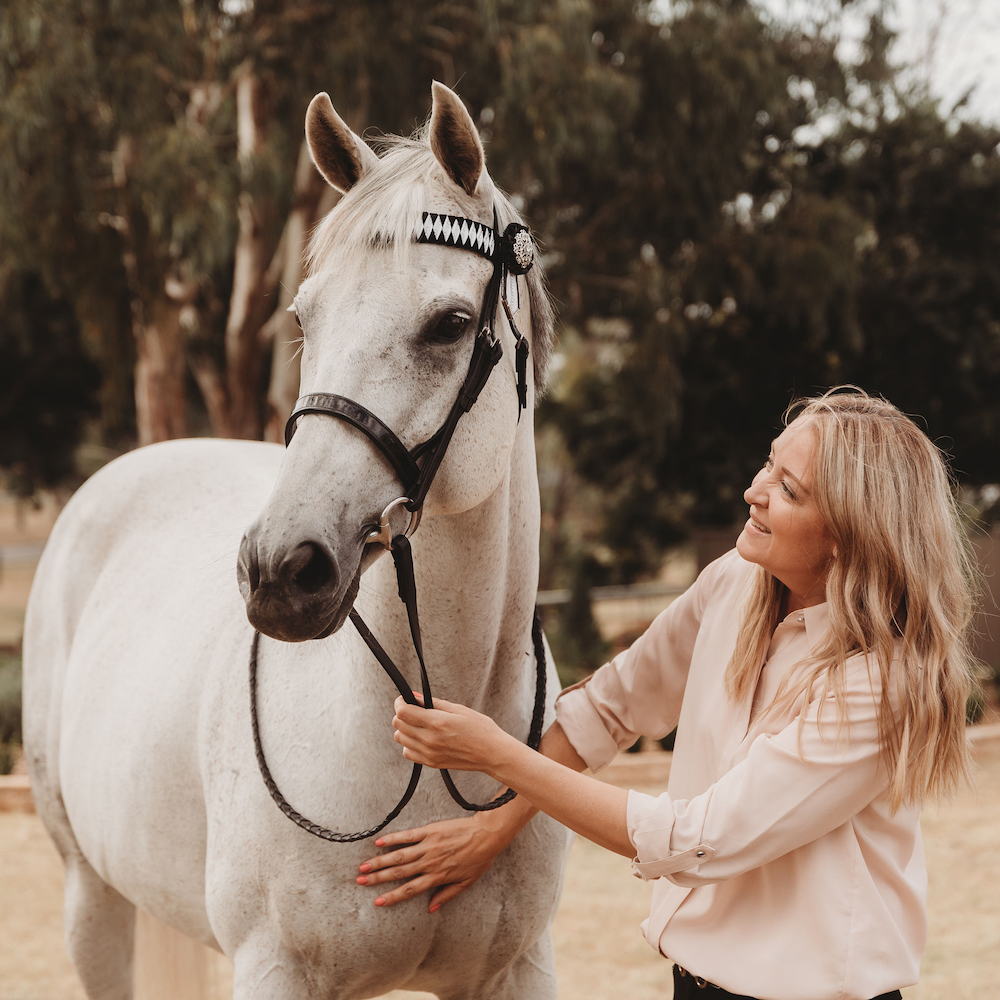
137	726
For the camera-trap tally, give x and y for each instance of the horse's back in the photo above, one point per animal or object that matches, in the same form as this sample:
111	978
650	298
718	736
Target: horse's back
136	583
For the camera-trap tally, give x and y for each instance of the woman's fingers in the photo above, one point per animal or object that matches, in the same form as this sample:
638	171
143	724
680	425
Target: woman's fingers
398	837
448	856
393	873
401	857
405	891
448	892
450	736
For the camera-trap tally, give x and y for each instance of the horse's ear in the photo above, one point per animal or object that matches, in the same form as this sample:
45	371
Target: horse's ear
340	156
454	138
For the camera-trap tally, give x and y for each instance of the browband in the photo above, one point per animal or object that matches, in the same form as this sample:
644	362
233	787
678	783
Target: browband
514	246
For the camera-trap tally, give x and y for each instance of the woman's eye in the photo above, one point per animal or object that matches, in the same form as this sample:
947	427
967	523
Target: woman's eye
451	326
788	492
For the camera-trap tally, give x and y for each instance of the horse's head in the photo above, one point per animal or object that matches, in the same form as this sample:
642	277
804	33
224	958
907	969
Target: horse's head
390	324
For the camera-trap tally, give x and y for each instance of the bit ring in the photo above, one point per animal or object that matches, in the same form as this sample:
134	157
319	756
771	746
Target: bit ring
383	533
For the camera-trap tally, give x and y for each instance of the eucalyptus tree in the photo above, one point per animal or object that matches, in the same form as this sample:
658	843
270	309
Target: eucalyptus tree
783	259
152	156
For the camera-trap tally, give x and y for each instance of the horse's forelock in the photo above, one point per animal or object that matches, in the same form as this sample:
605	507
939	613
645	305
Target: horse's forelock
384	209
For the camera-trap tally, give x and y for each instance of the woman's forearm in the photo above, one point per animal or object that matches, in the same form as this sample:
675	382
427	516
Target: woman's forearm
455	737
592	808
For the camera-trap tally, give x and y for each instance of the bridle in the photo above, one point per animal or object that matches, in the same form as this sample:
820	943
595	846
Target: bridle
511	253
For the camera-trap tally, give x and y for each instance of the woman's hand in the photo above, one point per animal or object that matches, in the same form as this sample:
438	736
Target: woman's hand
449	736
449	856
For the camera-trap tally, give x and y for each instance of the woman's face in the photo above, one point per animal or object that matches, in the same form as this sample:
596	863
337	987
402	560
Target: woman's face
785	533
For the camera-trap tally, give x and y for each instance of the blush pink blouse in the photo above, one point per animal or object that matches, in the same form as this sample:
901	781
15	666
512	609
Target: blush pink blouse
781	872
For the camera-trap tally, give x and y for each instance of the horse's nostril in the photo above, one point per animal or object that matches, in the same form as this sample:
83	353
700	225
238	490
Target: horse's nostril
247	566
309	569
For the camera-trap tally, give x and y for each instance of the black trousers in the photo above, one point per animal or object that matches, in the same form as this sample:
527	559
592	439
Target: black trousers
689	987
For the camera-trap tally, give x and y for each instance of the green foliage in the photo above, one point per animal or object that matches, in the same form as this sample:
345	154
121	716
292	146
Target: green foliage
709	259
119	173
576	642
10	710
871	258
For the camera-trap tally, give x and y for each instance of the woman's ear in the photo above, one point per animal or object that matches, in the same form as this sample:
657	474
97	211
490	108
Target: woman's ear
340	156
454	139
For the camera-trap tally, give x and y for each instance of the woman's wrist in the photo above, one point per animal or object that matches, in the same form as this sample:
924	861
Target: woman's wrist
500	826
512	759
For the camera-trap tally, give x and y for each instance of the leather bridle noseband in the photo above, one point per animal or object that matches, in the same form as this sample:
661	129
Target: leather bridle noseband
511	253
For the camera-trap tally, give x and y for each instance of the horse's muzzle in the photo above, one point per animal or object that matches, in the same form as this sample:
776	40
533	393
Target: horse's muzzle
293	594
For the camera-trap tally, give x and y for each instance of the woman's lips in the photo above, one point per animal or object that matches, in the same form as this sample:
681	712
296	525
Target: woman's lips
757	526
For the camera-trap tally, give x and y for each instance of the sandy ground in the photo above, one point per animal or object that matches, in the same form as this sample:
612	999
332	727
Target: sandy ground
600	953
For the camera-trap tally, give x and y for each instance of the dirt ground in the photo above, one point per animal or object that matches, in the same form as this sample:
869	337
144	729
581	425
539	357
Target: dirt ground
599	951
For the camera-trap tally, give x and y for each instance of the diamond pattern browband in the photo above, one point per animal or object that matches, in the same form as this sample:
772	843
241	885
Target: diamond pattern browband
454	231
513	249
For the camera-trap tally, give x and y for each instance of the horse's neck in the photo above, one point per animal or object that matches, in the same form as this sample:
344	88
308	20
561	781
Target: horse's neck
477	576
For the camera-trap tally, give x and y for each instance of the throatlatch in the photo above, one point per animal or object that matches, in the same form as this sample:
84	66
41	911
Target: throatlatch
512	253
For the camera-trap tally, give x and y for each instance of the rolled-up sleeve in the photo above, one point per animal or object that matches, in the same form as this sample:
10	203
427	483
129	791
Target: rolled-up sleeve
639	692
792	788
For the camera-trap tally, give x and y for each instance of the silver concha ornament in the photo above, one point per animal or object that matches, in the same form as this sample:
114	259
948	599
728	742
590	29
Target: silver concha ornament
522	248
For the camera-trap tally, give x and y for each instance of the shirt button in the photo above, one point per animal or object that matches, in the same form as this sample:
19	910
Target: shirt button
700	854
801	619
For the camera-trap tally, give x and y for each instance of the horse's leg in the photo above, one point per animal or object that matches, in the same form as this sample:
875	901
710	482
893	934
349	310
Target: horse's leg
100	932
531	977
264	970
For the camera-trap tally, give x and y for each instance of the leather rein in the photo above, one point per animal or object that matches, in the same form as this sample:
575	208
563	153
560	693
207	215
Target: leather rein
511	253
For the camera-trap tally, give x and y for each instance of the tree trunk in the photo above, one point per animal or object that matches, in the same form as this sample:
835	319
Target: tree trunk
160	411
313	199
251	290
159	374
212	386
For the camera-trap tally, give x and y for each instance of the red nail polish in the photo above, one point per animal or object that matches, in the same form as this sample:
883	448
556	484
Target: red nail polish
434	909
380	842
365	868
362	880
380	901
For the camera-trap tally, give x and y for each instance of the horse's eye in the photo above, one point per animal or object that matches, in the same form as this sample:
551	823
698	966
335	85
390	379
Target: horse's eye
450	327
298	322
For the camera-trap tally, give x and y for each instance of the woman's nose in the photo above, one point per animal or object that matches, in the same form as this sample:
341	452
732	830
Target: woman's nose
755	494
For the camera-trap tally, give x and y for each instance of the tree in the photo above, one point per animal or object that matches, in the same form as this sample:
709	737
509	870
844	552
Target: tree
161	147
48	384
868	257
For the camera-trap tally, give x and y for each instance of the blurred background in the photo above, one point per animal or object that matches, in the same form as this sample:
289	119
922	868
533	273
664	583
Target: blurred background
736	203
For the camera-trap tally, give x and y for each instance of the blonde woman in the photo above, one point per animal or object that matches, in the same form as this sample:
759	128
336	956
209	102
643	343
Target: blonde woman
817	675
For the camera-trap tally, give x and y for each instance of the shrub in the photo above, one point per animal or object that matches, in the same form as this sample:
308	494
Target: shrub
10	710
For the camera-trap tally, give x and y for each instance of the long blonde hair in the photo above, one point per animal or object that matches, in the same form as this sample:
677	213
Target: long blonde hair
901	589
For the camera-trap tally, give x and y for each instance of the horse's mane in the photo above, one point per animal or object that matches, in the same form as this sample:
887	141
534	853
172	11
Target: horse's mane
384	209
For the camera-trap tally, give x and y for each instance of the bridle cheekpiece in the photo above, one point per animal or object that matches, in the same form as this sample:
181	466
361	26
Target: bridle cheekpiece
511	252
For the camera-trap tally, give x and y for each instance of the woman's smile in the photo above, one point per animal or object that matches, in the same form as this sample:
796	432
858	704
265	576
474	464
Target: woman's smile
785	532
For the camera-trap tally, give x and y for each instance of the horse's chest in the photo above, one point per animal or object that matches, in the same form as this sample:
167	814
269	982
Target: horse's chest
285	886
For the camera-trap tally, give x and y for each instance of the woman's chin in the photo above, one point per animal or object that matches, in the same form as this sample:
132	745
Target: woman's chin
748	547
